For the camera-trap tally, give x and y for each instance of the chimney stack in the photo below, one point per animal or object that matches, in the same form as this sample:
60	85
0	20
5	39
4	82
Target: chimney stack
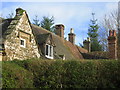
87	44
71	36
19	11
59	30
112	44
118	44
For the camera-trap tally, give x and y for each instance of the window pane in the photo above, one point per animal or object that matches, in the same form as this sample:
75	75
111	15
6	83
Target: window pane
46	49
22	42
50	51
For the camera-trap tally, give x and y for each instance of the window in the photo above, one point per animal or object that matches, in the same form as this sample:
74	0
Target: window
49	51
1	47
22	42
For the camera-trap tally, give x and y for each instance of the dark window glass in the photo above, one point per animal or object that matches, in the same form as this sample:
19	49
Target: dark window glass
46	49
50	51
22	42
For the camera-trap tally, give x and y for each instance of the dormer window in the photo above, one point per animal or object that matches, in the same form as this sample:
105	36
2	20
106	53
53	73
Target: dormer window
22	42
49	51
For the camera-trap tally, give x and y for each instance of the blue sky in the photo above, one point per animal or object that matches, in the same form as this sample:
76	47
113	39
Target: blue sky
74	15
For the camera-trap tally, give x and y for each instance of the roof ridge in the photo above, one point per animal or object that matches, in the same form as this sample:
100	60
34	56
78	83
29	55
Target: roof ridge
41	28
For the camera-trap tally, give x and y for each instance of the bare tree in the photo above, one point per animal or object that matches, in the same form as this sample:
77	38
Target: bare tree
10	15
109	22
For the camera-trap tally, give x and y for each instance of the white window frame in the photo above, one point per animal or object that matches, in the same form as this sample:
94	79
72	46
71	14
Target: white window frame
50	51
24	46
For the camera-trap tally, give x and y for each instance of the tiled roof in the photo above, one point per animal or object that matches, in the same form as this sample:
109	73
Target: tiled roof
62	47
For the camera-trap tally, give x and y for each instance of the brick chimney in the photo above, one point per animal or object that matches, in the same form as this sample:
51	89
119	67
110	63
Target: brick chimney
87	44
112	44
118	31
71	36
59	30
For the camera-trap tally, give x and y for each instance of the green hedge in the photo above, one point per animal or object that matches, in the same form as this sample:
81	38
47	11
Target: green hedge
14	76
61	74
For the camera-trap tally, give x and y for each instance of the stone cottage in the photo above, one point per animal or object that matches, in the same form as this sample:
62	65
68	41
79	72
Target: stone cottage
23	40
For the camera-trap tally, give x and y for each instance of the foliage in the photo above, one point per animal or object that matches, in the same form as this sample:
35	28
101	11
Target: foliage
61	74
110	21
14	76
93	34
36	21
47	23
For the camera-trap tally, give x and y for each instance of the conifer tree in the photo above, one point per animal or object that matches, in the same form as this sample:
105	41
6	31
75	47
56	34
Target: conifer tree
47	23
93	34
36	21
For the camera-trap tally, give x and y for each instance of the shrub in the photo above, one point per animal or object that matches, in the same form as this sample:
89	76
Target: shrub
14	76
62	74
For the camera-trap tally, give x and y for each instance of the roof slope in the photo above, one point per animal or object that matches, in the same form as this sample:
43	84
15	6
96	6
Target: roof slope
62	47
4	23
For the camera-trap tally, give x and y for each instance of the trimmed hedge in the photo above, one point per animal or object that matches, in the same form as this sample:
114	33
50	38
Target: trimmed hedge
14	76
61	74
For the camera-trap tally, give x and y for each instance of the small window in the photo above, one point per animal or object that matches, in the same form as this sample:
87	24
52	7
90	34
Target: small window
49	51
1	47
22	42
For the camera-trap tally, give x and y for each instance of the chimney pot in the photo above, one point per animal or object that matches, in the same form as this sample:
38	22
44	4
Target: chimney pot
71	30
110	33
19	11
114	32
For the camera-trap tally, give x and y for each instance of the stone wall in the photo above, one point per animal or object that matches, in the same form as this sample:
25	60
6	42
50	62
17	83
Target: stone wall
23	30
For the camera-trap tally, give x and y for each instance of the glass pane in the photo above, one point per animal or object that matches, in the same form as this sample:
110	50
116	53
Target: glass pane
46	49
22	42
50	51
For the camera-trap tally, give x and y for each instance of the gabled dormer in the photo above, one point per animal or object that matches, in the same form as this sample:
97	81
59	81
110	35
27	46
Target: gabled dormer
46	45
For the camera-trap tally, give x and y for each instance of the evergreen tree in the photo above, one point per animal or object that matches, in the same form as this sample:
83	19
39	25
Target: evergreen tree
93	34
36	21
47	23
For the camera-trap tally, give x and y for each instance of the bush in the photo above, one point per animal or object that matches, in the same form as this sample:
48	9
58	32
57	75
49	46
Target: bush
62	74
14	76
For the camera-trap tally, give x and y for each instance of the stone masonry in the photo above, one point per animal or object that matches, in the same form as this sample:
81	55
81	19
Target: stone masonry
20	29
87	44
71	36
60	30
112	44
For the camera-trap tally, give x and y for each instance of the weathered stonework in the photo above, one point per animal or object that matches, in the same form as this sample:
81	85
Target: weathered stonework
71	36
87	44
21	29
112	44
60	30
119	30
